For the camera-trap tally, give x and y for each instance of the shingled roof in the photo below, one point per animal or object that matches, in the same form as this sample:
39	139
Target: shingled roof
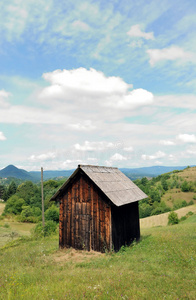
119	189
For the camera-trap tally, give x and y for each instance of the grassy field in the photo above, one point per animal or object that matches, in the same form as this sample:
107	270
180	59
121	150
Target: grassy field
161	266
11	230
162	220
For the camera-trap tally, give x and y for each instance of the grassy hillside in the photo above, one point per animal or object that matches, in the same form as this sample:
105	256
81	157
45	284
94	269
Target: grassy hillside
166	192
174	195
161	266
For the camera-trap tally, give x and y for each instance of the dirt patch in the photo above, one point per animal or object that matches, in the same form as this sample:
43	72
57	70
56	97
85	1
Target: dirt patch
73	255
2	206
162	220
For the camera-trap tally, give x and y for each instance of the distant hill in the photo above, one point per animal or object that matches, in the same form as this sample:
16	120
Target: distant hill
132	173
51	174
12	171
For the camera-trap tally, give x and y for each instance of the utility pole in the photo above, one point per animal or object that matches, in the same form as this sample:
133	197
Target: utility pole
42	189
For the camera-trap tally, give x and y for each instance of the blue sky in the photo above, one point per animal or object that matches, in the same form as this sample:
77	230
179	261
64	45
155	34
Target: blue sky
97	82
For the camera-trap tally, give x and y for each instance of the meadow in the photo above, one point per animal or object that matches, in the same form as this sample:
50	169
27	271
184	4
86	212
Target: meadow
161	266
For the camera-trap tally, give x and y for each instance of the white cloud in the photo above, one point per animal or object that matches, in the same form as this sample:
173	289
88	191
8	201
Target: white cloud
172	53
186	138
84	80
74	95
3	99
2	136
128	149
84	87
178	101
81	26
117	157
166	143
131	100
192	152
157	155
136	44
135	31
43	157
85	126
94	146
158	163
171	157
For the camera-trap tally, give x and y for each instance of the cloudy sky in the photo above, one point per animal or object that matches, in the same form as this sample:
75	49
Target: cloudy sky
98	82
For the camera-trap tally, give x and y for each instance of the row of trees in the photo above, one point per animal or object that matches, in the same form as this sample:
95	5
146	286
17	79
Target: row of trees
24	200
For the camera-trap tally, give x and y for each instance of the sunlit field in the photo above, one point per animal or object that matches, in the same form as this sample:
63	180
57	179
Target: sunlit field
161	266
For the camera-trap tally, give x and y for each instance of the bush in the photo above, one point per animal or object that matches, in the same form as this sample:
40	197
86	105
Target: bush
185	187
178	203
14	205
30	219
49	229
190	213
173	218
160	210
52	213
145	210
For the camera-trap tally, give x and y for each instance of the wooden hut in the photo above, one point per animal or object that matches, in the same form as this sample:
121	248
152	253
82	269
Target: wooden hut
98	209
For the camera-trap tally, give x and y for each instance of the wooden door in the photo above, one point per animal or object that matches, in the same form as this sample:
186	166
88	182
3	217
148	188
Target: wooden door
82	223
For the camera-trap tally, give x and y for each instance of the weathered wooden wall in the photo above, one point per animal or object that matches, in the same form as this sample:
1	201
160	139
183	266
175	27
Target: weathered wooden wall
125	224
85	217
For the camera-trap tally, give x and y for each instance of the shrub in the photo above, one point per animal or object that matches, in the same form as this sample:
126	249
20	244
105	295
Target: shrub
183	218
14	205
178	203
173	218
190	213
145	210
52	213
185	186
160	210
6	225
49	229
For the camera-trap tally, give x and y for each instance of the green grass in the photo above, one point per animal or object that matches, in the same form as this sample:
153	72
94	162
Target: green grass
11	230
161	266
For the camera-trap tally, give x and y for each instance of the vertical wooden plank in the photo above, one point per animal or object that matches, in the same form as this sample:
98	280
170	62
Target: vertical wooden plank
61	223
101	224
72	213
80	189
91	218
65	209
104	226
69	216
110	227
97	237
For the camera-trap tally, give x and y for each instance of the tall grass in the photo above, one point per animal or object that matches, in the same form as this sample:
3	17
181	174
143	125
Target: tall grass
161	266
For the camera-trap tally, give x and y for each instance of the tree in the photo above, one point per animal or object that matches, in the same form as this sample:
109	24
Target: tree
52	213
185	186
2	190
164	184
11	189
14	205
173	218
28	190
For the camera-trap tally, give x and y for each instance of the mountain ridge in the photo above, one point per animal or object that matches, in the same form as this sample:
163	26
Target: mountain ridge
132	173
